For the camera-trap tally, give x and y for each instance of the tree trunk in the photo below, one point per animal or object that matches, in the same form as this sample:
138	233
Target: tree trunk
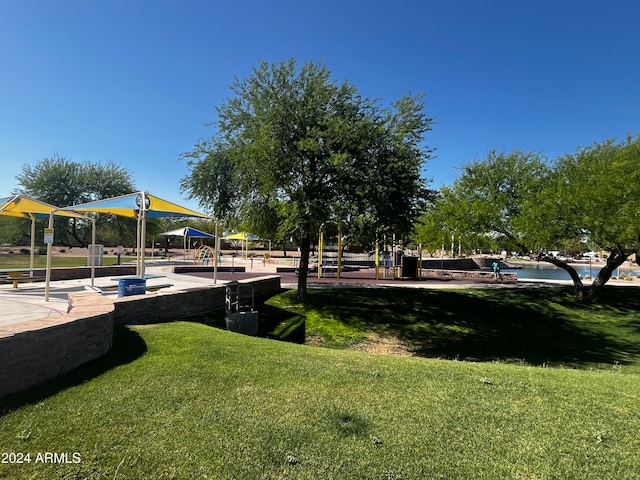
591	293
578	286
75	234
614	260
303	269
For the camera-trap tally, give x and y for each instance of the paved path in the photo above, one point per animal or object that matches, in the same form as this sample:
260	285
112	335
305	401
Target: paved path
27	302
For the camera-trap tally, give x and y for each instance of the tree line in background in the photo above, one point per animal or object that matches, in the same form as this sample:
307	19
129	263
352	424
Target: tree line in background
294	150
59	181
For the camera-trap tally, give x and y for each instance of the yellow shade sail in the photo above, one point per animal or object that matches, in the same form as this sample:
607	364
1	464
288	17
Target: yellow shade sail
26	207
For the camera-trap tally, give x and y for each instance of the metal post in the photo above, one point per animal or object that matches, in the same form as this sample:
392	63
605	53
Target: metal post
320	247
339	250
138	244
33	243
377	259
393	259
386	263
217	253
47	279
143	240
93	257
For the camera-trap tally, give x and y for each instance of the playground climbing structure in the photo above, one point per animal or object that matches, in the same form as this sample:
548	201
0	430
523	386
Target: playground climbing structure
205	255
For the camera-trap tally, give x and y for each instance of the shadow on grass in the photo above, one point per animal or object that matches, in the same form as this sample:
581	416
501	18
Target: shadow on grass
275	323
280	324
127	347
537	325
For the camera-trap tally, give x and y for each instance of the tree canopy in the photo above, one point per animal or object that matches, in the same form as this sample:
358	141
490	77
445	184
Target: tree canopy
518	201
60	181
592	196
294	149
484	206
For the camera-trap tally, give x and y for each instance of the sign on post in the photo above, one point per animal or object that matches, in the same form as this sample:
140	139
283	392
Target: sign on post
48	235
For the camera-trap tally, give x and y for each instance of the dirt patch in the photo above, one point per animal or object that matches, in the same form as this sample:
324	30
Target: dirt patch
314	340
383	346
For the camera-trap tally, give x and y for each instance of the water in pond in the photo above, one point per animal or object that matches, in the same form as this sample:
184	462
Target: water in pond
551	272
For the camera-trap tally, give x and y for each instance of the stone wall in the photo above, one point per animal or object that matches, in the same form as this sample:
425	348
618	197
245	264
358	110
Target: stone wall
206	268
35	351
39	350
471	263
469	275
450	263
171	304
73	273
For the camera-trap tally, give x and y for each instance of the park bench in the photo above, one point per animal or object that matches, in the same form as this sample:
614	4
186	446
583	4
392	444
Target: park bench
17	277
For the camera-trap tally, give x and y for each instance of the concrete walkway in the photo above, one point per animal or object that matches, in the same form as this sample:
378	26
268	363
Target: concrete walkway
27	302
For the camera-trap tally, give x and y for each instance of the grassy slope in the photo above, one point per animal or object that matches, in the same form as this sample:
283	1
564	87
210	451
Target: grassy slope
185	401
538	326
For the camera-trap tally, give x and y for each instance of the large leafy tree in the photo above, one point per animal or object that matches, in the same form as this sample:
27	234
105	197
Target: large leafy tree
63	182
14	231
294	149
485	207
523	203
592	196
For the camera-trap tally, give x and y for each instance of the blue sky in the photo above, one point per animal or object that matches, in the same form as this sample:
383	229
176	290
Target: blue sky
136	82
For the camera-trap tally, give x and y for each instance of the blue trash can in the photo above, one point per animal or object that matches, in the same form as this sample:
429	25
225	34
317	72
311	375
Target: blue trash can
131	286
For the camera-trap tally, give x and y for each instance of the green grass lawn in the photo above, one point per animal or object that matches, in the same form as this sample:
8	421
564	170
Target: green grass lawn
187	401
537	326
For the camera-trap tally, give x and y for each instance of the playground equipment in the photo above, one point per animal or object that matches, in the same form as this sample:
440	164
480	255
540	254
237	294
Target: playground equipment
205	255
244	238
389	258
321	248
393	262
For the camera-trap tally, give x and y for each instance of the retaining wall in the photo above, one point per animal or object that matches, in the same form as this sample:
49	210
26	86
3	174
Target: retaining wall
35	351
471	275
39	350
472	263
73	273
171	304
206	268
